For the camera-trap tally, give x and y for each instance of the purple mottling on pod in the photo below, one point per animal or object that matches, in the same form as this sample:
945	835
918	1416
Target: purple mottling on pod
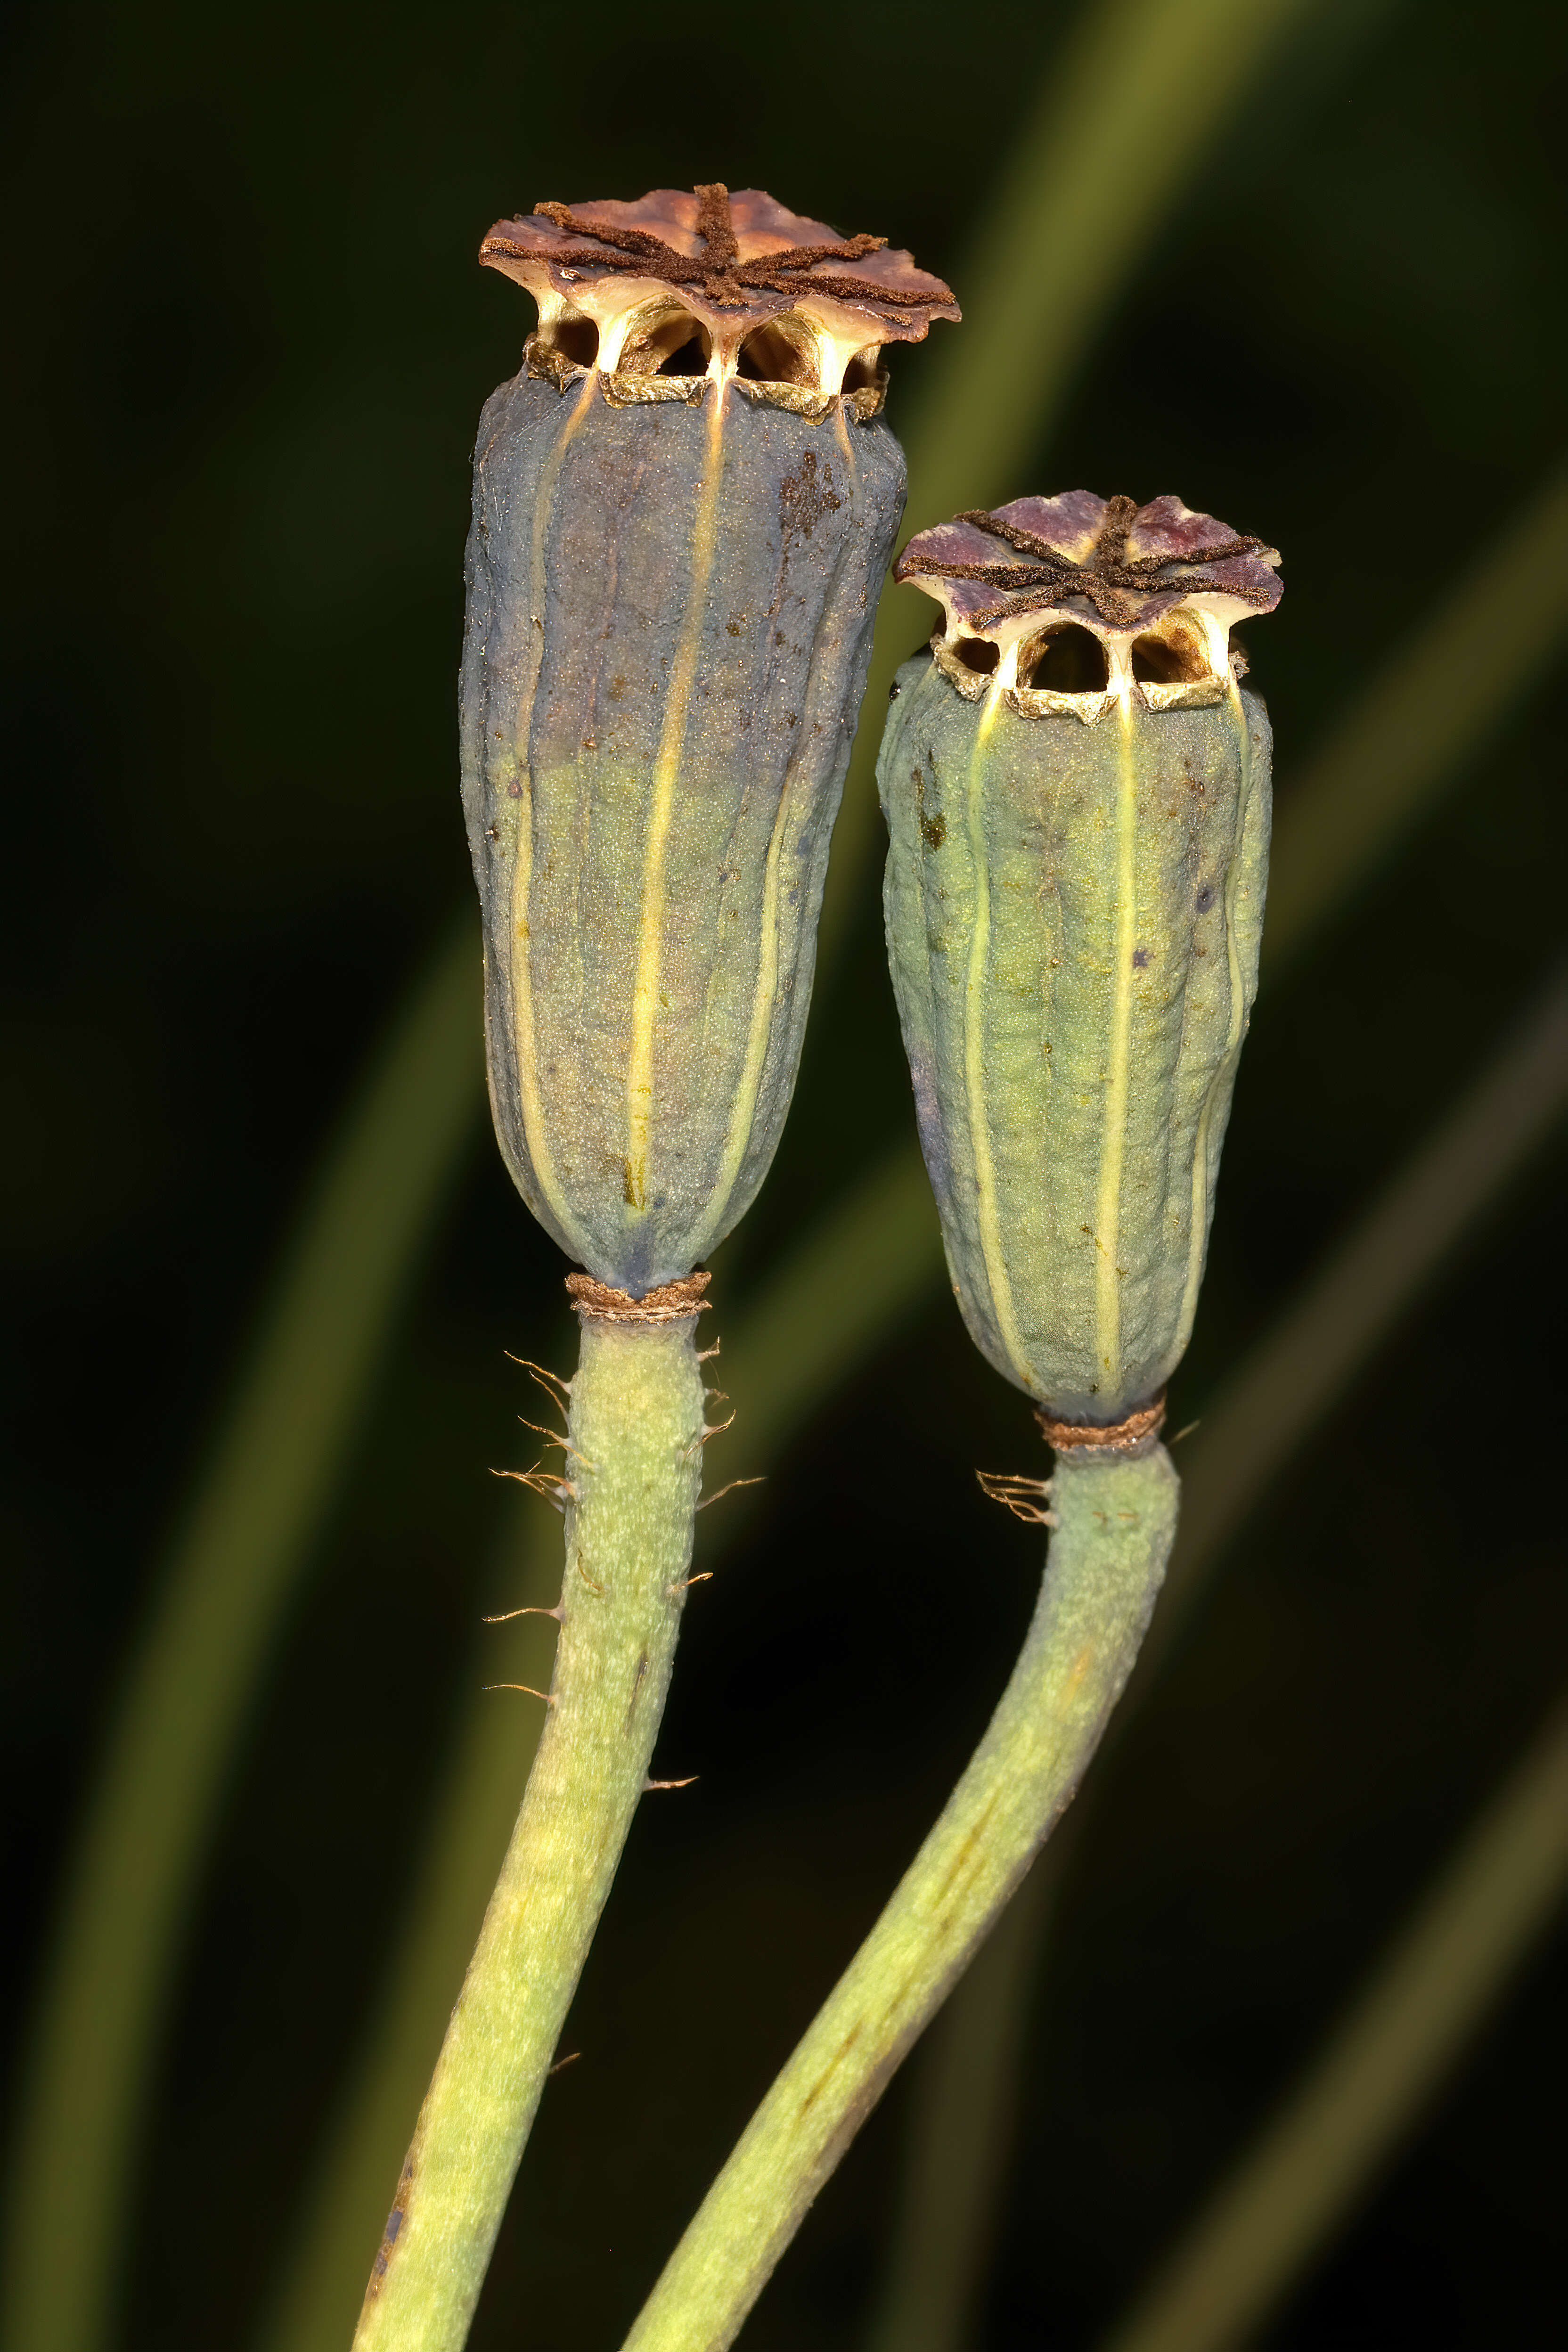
683	508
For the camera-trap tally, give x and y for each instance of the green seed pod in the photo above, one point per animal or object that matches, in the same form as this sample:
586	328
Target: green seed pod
1077	792
683	508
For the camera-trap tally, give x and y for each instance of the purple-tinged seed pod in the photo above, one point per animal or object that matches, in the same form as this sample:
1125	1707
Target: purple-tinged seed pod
683	508
1077	794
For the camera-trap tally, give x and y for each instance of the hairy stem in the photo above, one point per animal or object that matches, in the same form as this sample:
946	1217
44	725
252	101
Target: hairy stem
632	1472
1115	1520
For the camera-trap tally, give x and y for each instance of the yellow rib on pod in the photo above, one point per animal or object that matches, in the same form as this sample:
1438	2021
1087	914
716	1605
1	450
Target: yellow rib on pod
987	1218
1198	1235
1119	1059
763	999
739	1133
671	741
533	1126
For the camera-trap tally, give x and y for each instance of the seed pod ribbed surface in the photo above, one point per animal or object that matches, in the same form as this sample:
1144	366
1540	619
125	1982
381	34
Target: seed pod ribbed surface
1078	798
668	627
1073	919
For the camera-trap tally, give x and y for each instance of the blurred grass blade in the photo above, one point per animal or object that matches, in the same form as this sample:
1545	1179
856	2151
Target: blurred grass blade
1266	1408
1425	714
1125	118
835	1299
271	1477
1381	2064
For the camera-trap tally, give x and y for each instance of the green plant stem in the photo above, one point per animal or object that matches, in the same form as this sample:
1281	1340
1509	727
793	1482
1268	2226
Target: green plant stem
838	1295
1378	2068
1115	1520
271	1478
1278	1395
633	1470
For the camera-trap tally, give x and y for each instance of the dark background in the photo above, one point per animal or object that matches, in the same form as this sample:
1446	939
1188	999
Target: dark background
249	344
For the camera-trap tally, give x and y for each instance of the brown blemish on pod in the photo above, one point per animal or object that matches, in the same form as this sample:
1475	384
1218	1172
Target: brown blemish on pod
391	2232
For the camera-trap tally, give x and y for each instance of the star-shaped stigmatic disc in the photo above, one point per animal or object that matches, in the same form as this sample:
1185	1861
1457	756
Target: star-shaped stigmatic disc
1157	586
739	281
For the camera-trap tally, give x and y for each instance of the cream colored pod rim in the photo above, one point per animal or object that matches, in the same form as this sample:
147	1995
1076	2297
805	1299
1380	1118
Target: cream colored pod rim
1140	601
778	304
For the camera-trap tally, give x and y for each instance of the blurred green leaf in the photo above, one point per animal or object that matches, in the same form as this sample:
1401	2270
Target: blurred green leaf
275	1468
839	1293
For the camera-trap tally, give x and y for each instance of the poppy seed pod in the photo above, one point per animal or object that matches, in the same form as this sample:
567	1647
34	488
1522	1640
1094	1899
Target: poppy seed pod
683	508
1077	792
